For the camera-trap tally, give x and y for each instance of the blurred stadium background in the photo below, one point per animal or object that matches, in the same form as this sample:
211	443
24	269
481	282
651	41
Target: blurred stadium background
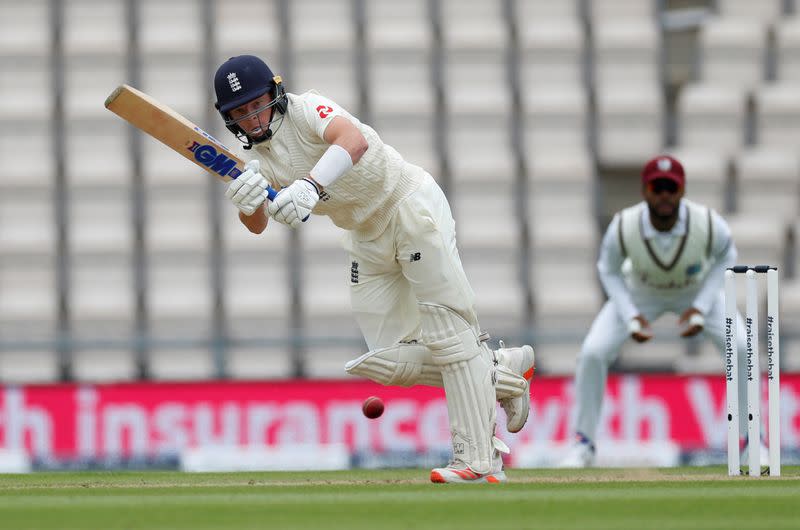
534	115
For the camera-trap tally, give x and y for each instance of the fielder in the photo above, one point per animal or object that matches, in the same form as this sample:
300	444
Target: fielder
409	293
665	254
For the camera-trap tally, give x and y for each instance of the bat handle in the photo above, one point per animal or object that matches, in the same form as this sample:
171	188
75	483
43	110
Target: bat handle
271	194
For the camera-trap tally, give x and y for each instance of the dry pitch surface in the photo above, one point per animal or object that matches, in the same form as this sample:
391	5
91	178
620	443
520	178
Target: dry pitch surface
392	499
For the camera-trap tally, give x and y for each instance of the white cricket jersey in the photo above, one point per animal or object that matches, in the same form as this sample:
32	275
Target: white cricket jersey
676	260
688	260
362	200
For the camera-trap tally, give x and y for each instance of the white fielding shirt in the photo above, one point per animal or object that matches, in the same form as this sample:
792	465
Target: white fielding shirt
618	284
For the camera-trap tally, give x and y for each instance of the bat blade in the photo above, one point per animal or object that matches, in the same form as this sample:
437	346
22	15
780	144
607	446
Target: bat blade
175	131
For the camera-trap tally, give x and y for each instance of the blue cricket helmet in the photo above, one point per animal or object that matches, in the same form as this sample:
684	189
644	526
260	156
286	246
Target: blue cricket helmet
241	79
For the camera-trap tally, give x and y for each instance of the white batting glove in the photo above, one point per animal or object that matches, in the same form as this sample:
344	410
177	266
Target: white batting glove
294	203
249	190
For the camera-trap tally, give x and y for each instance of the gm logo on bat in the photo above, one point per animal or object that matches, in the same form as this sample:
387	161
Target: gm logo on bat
207	155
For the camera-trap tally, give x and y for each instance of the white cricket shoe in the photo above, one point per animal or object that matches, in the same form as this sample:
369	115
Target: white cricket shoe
580	455
459	472
763	457
521	361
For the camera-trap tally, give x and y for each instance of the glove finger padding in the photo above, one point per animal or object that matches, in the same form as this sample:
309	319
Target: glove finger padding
254	185
290	216
241	195
248	191
256	197
233	187
257	193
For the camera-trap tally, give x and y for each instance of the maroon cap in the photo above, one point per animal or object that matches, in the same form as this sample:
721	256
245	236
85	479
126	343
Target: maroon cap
666	167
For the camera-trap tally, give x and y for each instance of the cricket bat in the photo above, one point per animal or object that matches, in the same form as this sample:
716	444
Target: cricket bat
177	133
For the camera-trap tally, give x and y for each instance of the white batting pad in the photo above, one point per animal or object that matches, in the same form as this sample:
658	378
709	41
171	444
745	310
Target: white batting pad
403	364
467	369
409	364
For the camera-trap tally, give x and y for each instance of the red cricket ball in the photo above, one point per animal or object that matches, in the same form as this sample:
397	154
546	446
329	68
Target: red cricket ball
372	407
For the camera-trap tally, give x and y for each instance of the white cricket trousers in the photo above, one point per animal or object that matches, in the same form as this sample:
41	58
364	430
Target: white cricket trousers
414	260
602	344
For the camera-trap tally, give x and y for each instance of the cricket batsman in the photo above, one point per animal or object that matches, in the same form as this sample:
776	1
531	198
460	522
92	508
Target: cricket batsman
665	254
409	293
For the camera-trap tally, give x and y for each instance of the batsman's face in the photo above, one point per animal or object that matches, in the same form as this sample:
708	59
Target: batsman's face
254	116
663	196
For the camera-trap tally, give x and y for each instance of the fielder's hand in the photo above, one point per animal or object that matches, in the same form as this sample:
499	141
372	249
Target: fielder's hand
249	190
639	328
693	322
294	203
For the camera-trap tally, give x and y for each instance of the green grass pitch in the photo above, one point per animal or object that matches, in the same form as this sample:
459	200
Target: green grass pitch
683	498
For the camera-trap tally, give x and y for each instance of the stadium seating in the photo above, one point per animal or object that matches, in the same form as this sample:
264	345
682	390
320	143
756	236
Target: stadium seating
323	42
177	309
398	26
602	10
556	119
733	51
97	155
28	320
471	166
258	362
257	33
104	365
708	176
161	35
24	29
398	38
181	364
630	123
552	46
163	71
29	298
412	136
563	242
37	234
328	362
712	116
25	94
787	44
29	366
175	220
768	182
23	142
400	83
489	236
765	11
777	120
626	52
759	238
93	27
